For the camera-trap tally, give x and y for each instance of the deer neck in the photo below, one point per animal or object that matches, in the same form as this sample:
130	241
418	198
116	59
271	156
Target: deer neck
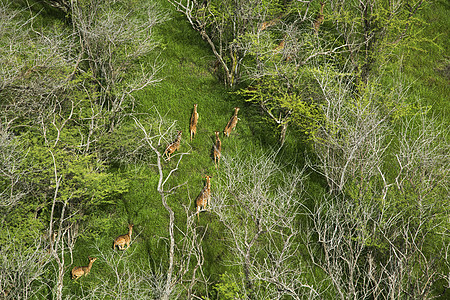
89	266
130	231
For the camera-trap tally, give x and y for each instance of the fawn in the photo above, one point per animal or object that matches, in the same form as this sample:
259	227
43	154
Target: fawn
204	199
319	18
232	123
172	147
193	123
217	149
123	240
77	272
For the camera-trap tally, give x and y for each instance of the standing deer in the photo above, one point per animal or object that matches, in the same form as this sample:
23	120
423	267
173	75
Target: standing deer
123	240
193	123
319	18
232	123
172	147
77	272
217	149
204	199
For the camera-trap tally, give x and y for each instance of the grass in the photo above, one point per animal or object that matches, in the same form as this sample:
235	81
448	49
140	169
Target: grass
427	66
188	80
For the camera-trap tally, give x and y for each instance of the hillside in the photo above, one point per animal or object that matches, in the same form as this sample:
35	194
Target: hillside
352	202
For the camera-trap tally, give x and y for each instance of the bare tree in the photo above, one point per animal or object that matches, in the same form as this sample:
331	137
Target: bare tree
258	202
185	256
386	203
366	251
62	231
11	172
113	37
22	268
84	76
125	277
224	24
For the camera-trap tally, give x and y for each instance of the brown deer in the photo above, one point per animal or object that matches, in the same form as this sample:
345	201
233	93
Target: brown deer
217	149
272	22
232	123
172	147
123	240
268	24
280	45
319	19
204	199
77	272
193	123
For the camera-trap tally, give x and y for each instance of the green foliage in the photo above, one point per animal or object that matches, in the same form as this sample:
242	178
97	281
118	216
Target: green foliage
296	104
106	172
228	288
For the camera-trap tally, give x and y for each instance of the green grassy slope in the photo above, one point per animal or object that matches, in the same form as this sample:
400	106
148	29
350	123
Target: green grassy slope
187	80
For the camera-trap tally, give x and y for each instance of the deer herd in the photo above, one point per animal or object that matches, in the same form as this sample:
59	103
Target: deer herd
203	200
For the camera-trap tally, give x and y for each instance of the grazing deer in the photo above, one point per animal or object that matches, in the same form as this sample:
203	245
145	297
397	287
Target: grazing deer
217	149
204	199
319	18
267	24
172	147
123	240
232	123
77	272
193	123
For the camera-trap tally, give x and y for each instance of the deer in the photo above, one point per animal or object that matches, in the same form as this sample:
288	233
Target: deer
319	19
232	123
217	149
272	22
204	199
172	147
193	123
268	24
123	240
77	272
280	45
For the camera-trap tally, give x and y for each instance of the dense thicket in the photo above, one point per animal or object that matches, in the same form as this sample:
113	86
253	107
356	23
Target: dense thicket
352	204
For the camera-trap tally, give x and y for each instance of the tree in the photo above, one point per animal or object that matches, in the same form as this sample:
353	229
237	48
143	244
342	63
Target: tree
185	255
372	29
258	202
384	215
223	24
113	38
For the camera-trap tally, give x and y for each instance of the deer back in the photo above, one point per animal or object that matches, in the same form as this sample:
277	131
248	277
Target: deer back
205	194
232	123
125	238
319	19
175	145
80	271
217	148
193	123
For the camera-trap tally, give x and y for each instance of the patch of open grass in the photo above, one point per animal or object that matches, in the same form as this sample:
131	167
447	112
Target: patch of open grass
429	68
